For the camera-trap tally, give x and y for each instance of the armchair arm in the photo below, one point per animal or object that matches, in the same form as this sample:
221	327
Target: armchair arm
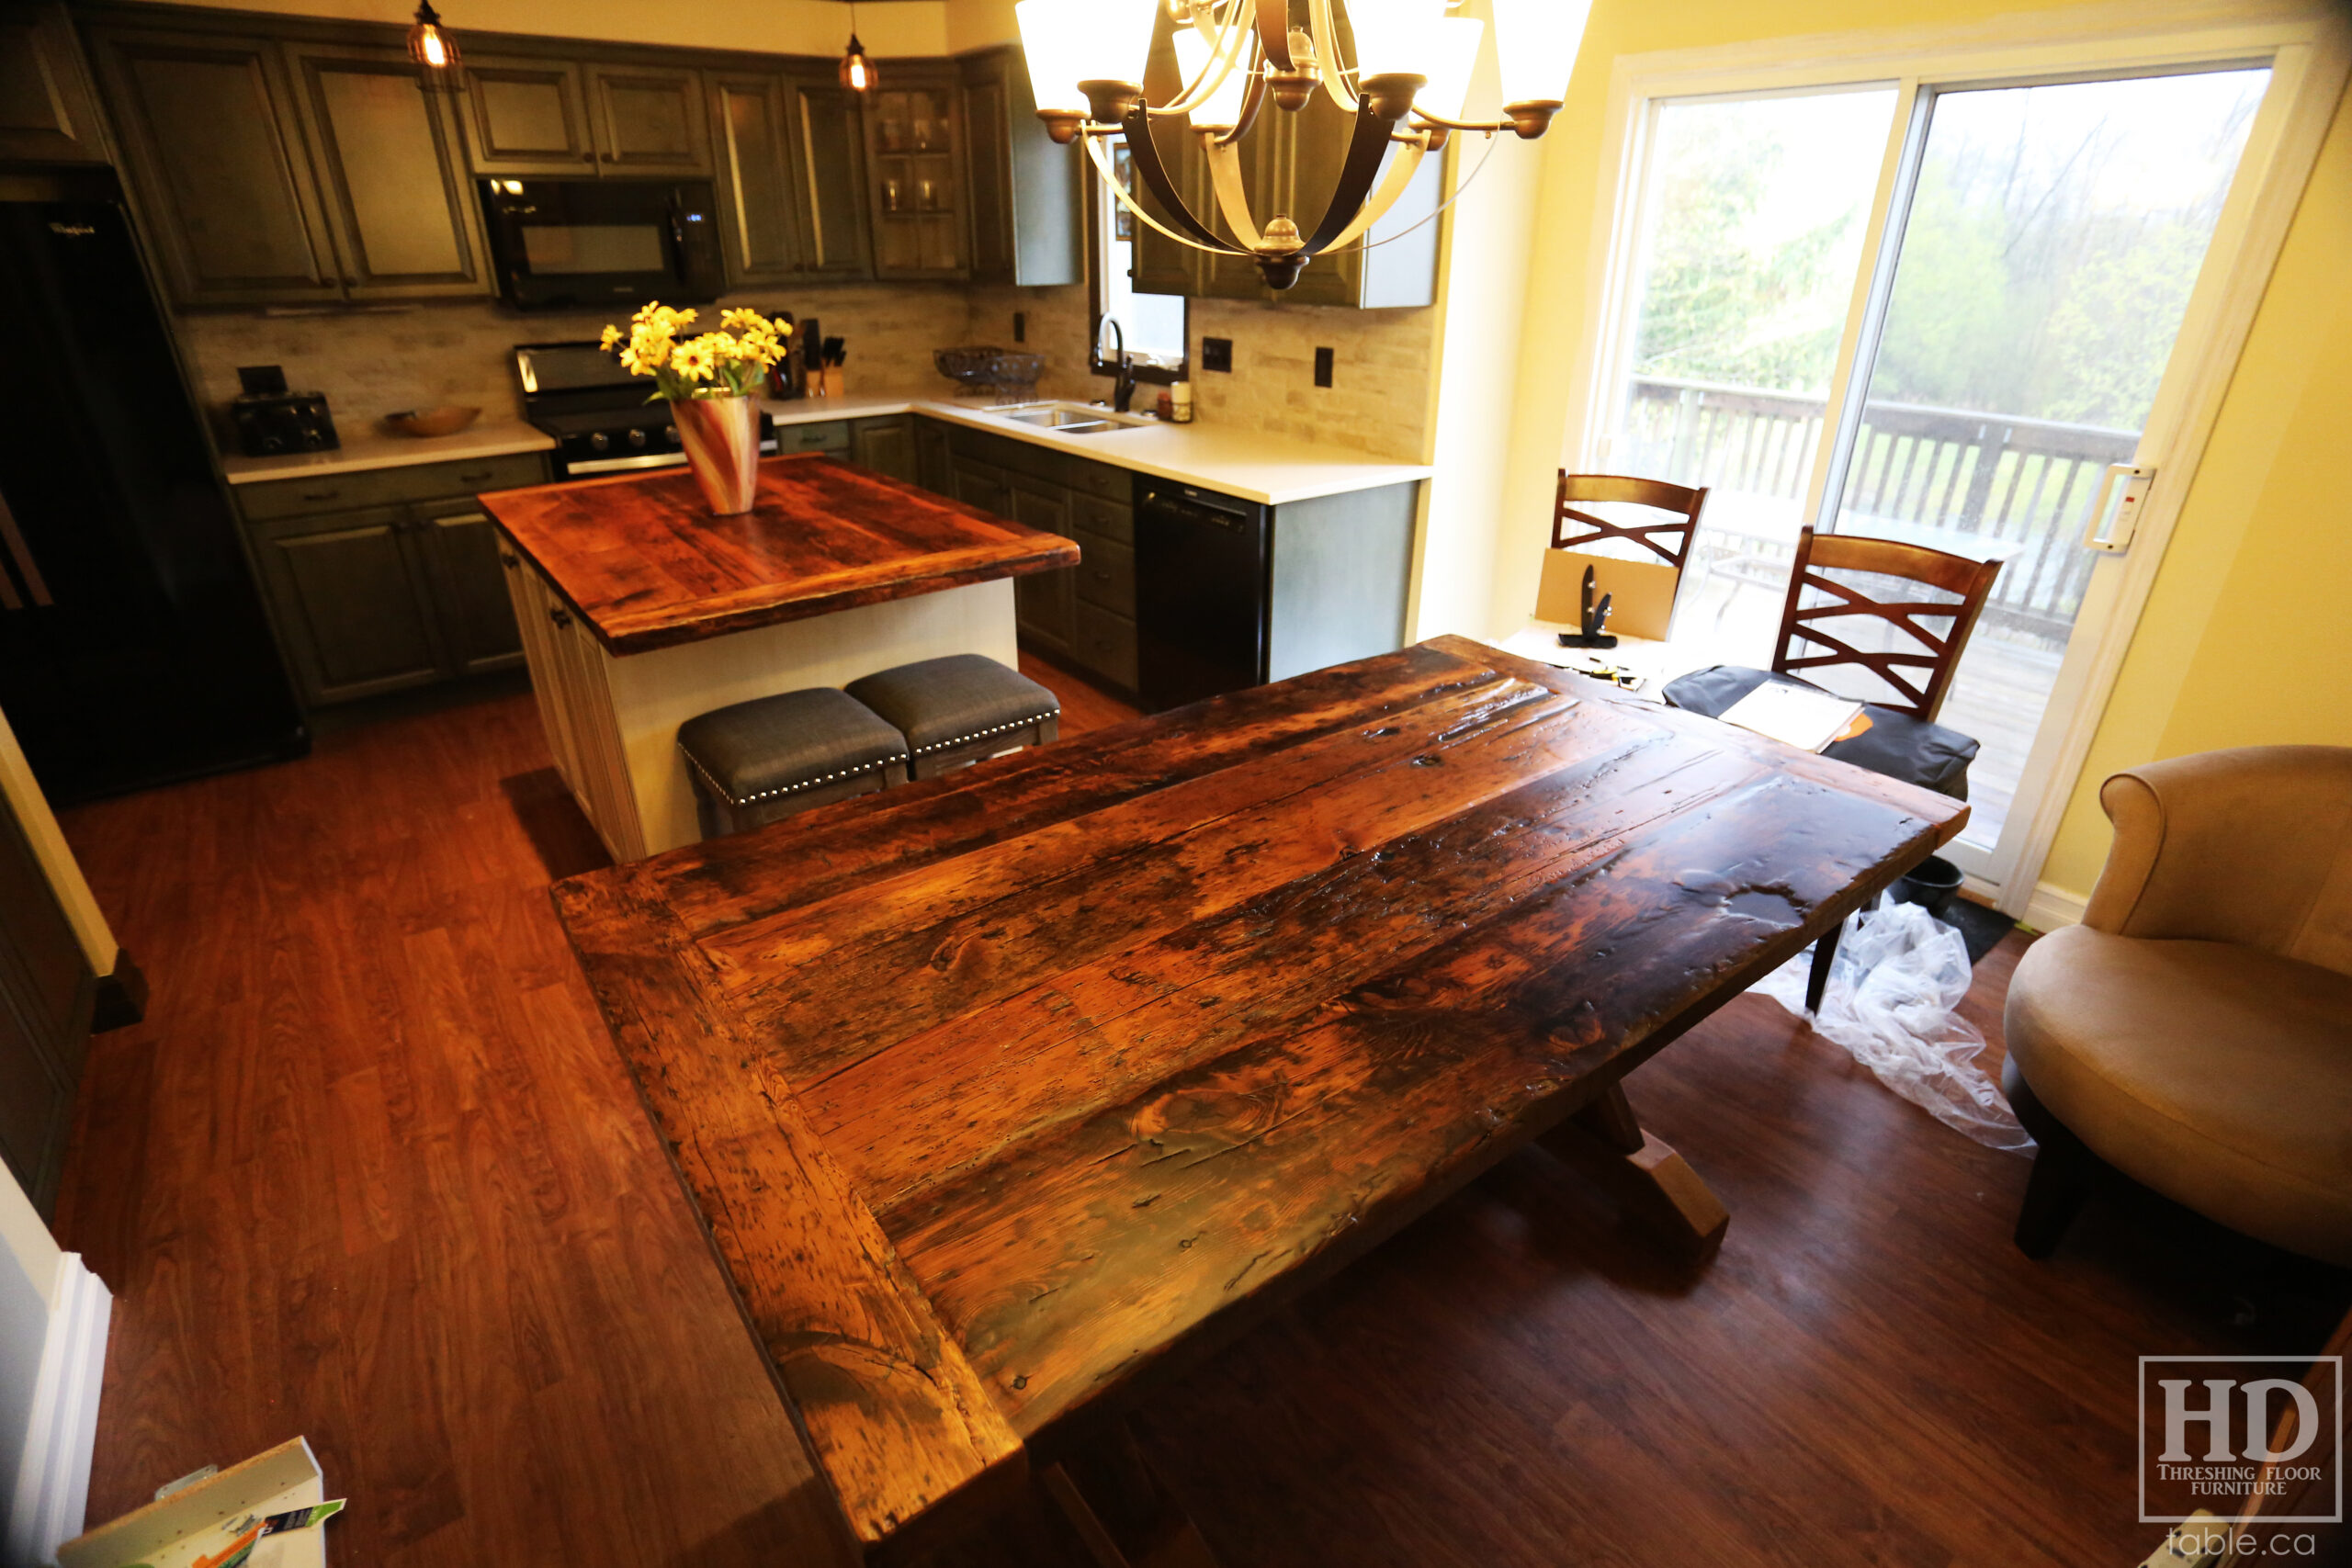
2252	846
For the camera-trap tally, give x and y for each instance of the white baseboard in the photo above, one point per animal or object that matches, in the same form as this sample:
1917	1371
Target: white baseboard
2050	908
53	1487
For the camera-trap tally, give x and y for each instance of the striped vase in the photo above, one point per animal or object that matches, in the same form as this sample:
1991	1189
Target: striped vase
721	436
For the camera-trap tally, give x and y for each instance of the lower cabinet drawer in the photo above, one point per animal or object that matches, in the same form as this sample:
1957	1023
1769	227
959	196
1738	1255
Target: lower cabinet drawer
1111	520
1106	645
270	499
1106	574
826	435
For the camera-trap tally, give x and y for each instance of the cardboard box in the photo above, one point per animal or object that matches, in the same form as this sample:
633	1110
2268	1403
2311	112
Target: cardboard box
194	1523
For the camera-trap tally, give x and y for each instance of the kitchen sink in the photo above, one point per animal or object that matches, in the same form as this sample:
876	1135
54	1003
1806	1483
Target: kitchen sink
1069	419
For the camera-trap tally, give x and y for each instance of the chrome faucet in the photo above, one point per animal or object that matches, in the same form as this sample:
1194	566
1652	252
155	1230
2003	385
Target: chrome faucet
1123	389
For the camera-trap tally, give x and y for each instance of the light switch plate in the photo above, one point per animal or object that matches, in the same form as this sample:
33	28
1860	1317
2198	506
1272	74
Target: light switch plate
1323	366
1217	354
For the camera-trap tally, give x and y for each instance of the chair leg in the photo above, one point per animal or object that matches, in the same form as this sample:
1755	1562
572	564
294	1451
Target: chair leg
1824	954
2064	1170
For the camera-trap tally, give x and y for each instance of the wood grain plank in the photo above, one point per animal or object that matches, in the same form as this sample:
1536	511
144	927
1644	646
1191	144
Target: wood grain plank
1074	1261
909	1118
902	1426
644	563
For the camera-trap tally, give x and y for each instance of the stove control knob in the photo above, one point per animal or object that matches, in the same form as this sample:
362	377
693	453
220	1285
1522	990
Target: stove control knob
637	437
599	441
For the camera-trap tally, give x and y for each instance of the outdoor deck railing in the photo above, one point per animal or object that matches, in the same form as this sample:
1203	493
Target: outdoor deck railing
2025	481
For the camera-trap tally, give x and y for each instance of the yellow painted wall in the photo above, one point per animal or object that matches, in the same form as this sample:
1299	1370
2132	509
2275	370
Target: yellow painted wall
2246	638
781	27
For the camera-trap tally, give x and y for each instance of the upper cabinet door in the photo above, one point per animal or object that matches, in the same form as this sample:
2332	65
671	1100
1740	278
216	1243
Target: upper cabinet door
527	117
829	170
399	205
914	181
229	202
649	122
1027	205
46	112
759	221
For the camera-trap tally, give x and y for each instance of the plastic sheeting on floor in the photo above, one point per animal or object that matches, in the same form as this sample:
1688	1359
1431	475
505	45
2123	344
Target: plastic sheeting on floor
1898	977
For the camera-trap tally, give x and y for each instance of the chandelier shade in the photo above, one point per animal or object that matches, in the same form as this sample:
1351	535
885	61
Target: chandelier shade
1401	69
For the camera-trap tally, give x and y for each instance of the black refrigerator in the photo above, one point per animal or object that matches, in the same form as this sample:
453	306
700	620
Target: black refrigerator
134	648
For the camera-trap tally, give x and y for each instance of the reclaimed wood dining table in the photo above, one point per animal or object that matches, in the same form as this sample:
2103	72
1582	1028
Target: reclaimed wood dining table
1000	1092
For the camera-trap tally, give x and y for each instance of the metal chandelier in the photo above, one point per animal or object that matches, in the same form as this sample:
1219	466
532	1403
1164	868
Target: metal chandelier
1405	86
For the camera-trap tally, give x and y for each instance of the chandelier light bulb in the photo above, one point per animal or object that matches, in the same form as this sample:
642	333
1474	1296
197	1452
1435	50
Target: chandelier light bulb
1222	108
1452	59
1537	43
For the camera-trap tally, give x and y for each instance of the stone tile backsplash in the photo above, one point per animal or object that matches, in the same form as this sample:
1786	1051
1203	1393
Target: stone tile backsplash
371	363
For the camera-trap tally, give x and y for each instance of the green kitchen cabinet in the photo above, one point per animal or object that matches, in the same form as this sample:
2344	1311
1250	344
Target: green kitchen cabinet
827	126
353	600
886	445
1025	194
389	578
1045	603
400	212
934	456
914	176
48	113
791	203
289	170
210	135
527	114
476	614
648	120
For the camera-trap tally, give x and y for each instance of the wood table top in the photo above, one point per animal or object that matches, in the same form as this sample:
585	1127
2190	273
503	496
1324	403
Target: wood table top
641	560
994	1090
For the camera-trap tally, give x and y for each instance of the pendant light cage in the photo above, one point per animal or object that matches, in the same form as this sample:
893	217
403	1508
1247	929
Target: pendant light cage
439	66
857	69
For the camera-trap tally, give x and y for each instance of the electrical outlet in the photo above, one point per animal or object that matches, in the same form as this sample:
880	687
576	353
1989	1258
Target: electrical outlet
1021	326
1217	354
1322	366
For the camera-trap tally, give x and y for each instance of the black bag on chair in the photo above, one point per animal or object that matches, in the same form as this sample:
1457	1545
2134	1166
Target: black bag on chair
1895	744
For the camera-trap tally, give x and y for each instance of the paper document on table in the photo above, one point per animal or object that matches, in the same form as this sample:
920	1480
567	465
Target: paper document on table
1795	716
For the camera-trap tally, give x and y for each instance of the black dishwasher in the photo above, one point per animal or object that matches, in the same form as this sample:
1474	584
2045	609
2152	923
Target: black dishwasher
1201	573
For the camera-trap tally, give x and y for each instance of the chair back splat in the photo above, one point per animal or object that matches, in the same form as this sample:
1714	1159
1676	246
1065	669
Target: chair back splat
1674	550
1919	679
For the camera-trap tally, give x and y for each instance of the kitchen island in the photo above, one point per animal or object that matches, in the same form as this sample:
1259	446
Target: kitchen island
639	610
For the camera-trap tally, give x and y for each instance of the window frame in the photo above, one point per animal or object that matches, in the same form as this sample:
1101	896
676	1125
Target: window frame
1100	225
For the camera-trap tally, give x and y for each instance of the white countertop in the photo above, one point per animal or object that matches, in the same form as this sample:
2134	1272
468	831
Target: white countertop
1224	459
372	448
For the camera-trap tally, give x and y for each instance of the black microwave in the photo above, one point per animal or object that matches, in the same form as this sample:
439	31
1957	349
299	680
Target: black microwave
584	244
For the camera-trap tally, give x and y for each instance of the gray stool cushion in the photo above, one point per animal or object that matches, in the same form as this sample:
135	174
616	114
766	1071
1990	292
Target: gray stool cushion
782	745
939	704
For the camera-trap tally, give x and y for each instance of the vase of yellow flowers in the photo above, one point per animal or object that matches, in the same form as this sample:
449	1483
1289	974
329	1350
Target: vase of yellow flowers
711	380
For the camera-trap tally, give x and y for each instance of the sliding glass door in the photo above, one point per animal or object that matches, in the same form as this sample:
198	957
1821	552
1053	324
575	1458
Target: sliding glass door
2051	237
1932	312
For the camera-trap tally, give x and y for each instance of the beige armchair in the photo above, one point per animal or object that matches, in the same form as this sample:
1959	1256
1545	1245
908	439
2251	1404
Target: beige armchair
2195	1031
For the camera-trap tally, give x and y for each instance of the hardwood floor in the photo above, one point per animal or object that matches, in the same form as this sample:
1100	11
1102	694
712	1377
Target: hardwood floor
372	1172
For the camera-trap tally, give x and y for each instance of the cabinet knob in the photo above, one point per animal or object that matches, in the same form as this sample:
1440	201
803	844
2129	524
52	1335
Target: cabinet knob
475	478
508	559
559	616
320	494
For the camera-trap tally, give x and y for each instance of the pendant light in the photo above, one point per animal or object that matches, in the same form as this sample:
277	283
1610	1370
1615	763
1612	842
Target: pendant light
435	53
857	71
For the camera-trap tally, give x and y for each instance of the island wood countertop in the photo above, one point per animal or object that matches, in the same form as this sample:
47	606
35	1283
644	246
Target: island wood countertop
644	564
995	1088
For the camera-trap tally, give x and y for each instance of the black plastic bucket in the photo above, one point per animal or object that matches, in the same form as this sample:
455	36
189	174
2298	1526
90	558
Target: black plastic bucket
1931	884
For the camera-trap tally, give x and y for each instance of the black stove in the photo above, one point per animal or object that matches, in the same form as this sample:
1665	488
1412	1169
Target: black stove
599	411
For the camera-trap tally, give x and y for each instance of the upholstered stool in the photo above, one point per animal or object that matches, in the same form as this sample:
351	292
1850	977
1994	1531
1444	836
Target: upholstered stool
753	762
955	711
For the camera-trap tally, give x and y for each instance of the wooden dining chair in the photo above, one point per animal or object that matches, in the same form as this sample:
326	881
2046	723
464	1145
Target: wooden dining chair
1921	677
1602	489
1904	741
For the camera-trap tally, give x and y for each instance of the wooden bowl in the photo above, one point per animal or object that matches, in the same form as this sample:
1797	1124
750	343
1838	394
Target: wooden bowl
446	420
